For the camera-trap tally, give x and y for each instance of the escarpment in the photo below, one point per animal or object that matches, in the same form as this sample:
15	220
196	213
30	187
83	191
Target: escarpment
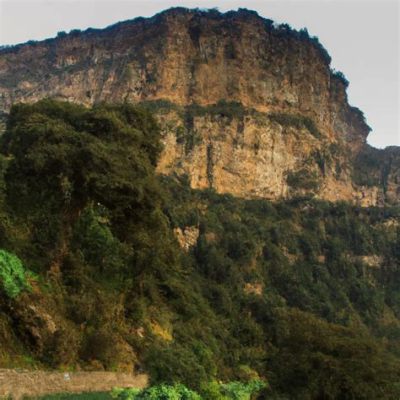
246	106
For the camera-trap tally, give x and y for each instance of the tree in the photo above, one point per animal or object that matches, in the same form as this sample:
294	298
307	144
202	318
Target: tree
66	157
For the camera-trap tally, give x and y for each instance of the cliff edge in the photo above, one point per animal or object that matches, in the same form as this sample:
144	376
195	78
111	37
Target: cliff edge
246	106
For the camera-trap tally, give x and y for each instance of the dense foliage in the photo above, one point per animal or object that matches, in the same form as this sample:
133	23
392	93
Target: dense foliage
210	391
160	392
12	274
303	294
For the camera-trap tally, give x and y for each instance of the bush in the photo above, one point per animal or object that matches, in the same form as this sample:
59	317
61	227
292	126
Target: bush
209	391
159	392
232	390
242	391
99	247
212	391
12	274
340	76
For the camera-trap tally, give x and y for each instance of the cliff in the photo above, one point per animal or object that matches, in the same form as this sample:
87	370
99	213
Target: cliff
246	107
106	265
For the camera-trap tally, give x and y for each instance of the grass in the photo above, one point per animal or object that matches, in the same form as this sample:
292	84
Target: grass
75	396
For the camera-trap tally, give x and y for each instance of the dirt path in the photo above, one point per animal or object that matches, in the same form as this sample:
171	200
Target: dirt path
35	383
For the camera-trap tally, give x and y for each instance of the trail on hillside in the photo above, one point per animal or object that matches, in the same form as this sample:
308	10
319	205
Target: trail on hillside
18	383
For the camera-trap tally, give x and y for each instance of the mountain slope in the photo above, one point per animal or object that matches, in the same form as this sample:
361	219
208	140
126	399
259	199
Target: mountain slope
191	235
106	265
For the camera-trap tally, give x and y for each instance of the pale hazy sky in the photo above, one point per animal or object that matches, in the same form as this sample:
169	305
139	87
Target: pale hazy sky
362	37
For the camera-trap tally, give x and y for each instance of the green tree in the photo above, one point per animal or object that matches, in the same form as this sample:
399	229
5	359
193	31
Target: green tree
66	157
12	274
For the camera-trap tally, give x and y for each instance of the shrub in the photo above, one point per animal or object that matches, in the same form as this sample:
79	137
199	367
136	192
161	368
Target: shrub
340	75
228	109
12	274
98	245
210	391
125	394
242	391
232	390
159	392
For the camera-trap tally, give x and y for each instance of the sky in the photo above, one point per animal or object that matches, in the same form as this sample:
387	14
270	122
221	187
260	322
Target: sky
361	36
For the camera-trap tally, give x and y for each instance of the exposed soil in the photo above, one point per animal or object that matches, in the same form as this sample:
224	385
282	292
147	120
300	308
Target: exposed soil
20	383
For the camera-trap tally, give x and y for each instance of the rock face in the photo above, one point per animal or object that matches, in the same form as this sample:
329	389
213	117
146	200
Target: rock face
187	237
246	107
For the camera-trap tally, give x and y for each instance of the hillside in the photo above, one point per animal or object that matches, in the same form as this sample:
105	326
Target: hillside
247	107
204	209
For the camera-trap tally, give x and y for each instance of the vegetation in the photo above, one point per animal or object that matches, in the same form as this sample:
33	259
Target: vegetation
209	391
160	392
303	179
296	121
12	274
228	109
186	133
307	253
224	108
284	293
340	76
78	396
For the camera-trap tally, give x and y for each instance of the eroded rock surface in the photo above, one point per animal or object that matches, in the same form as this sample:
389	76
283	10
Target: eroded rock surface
285	128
